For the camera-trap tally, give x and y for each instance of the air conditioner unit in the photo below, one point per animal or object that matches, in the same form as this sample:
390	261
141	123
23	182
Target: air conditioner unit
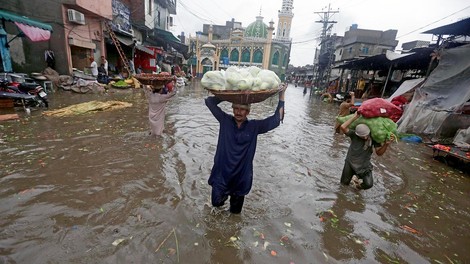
76	17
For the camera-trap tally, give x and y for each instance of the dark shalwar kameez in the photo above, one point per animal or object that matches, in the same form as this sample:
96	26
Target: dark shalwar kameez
232	173
358	161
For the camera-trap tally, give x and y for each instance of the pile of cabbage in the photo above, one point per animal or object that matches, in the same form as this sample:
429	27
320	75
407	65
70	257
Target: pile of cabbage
234	78
381	128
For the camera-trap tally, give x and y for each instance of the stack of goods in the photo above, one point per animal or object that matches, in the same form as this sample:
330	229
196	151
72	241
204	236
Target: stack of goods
376	113
242	85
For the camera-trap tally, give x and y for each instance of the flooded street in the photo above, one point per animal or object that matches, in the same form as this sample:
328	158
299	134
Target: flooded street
71	186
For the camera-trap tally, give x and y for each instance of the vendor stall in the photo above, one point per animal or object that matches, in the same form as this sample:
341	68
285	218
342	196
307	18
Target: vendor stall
452	155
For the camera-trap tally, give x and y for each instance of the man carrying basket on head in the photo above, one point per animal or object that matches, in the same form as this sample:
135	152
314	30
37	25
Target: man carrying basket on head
232	173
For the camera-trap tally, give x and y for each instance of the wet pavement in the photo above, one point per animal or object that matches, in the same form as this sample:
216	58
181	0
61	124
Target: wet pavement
96	188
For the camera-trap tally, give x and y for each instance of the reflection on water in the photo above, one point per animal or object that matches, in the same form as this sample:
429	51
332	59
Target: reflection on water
71	186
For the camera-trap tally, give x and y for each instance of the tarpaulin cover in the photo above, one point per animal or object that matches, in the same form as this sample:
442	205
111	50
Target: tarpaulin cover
35	34
443	94
405	87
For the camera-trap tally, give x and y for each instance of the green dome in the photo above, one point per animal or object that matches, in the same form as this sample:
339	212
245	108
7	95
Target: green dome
257	29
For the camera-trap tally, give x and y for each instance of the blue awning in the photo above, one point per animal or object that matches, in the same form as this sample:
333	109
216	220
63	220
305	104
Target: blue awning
24	20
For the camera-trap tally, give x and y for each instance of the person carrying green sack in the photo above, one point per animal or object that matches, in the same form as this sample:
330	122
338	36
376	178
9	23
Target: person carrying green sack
357	160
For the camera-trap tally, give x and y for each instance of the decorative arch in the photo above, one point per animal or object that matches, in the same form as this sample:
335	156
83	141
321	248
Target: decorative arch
246	55
206	62
224	53
234	55
284	60
258	56
275	59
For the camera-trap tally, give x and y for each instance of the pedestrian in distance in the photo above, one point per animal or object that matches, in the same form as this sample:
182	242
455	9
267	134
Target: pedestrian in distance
344	108
359	154
105	63
157	101
232	172
93	67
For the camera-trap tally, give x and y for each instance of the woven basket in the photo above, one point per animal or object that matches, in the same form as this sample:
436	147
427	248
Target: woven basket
244	97
155	80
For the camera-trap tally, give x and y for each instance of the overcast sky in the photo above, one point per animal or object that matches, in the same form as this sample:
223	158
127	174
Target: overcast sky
409	17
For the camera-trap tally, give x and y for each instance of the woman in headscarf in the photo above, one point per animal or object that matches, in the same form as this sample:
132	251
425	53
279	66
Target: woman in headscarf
359	154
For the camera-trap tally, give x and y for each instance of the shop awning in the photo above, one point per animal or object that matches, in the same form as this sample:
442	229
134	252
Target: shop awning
125	40
33	33
144	49
166	35
460	28
24	20
34	30
170	39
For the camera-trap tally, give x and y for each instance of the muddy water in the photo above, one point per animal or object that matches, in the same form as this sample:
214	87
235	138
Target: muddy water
71	186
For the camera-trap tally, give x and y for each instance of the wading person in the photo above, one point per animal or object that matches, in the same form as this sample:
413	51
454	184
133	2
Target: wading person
344	108
157	108
359	154
232	173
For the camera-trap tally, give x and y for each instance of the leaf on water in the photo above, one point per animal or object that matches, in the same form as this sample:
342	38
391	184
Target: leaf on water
273	253
233	239
358	241
171	251
118	241
255	244
284	239
287	224
265	245
259	234
437	217
325	255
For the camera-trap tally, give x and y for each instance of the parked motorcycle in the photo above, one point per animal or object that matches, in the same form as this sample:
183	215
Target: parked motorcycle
24	93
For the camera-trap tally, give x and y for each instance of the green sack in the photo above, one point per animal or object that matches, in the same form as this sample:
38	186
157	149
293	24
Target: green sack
380	127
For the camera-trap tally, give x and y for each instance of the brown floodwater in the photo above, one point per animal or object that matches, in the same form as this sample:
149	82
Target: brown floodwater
96	188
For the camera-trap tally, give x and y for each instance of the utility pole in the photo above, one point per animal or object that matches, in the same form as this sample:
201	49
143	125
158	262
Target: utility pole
326	45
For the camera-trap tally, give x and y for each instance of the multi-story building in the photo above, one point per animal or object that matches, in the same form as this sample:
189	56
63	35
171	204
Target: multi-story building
79	32
250	46
358	43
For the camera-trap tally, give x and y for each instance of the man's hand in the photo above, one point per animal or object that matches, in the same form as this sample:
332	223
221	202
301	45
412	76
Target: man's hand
351	94
282	92
392	138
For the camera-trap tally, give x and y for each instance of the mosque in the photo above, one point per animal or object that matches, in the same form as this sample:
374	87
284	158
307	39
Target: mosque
255	45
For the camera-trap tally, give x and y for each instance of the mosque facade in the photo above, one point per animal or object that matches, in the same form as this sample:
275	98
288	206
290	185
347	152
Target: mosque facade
250	46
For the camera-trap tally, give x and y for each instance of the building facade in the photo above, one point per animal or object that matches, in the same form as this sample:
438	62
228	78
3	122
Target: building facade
250	46
79	32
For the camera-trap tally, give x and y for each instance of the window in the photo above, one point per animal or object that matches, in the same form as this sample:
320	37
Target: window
150	7
246	56
365	50
234	55
258	56
350	50
224	53
158	18
275	60
284	61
